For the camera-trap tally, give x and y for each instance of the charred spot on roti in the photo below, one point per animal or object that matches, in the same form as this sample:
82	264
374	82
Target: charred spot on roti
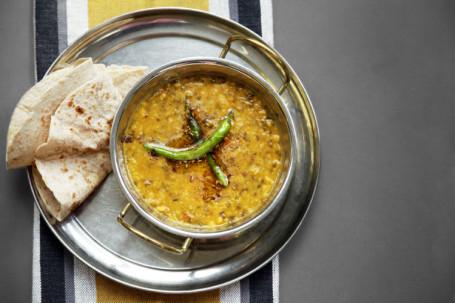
74	196
79	109
87	180
64	169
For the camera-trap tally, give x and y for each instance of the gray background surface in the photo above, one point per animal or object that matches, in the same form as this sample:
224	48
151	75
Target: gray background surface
381	76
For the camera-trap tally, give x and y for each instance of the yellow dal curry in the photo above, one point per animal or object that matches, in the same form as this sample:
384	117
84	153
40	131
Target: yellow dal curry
188	192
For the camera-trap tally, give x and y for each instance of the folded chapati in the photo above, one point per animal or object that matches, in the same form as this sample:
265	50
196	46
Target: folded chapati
63	124
83	121
125	76
65	182
53	207
29	126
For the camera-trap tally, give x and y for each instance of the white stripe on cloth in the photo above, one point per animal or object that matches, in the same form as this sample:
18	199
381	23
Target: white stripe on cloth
61	21
76	18
276	279
220	8
230	293
36	267
84	283
267	21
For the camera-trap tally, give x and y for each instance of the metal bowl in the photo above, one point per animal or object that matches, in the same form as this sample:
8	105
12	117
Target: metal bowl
217	67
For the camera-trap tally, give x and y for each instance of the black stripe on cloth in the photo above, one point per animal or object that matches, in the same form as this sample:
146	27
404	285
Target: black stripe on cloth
249	12
46	35
245	290
261	285
69	277
52	267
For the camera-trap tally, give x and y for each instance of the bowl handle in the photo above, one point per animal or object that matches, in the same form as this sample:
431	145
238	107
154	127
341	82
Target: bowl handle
267	50
140	234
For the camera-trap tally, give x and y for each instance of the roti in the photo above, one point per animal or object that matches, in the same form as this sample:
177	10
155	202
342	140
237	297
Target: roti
125	76
83	120
29	125
63	124
65	182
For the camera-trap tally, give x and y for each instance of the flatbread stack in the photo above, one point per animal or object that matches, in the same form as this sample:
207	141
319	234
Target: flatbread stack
62	127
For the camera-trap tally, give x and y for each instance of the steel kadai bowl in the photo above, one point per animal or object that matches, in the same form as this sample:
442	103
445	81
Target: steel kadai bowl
216	67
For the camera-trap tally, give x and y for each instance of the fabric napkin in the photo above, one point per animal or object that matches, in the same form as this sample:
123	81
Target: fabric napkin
57	275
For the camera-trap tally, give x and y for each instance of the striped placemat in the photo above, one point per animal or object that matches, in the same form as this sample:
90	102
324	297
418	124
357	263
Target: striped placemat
57	275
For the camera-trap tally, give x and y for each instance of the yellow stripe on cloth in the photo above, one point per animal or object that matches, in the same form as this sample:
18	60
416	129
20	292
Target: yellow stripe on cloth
112	292
106	289
102	10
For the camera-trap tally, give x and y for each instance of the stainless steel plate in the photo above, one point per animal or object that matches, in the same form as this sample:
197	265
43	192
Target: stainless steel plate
155	37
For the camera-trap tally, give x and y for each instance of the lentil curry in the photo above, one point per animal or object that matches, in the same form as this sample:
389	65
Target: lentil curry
188	192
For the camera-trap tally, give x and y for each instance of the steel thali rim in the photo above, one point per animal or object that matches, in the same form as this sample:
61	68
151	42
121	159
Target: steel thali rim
71	53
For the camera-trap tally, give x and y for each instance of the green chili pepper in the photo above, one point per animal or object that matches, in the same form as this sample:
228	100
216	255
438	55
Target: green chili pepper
196	135
217	170
196	151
